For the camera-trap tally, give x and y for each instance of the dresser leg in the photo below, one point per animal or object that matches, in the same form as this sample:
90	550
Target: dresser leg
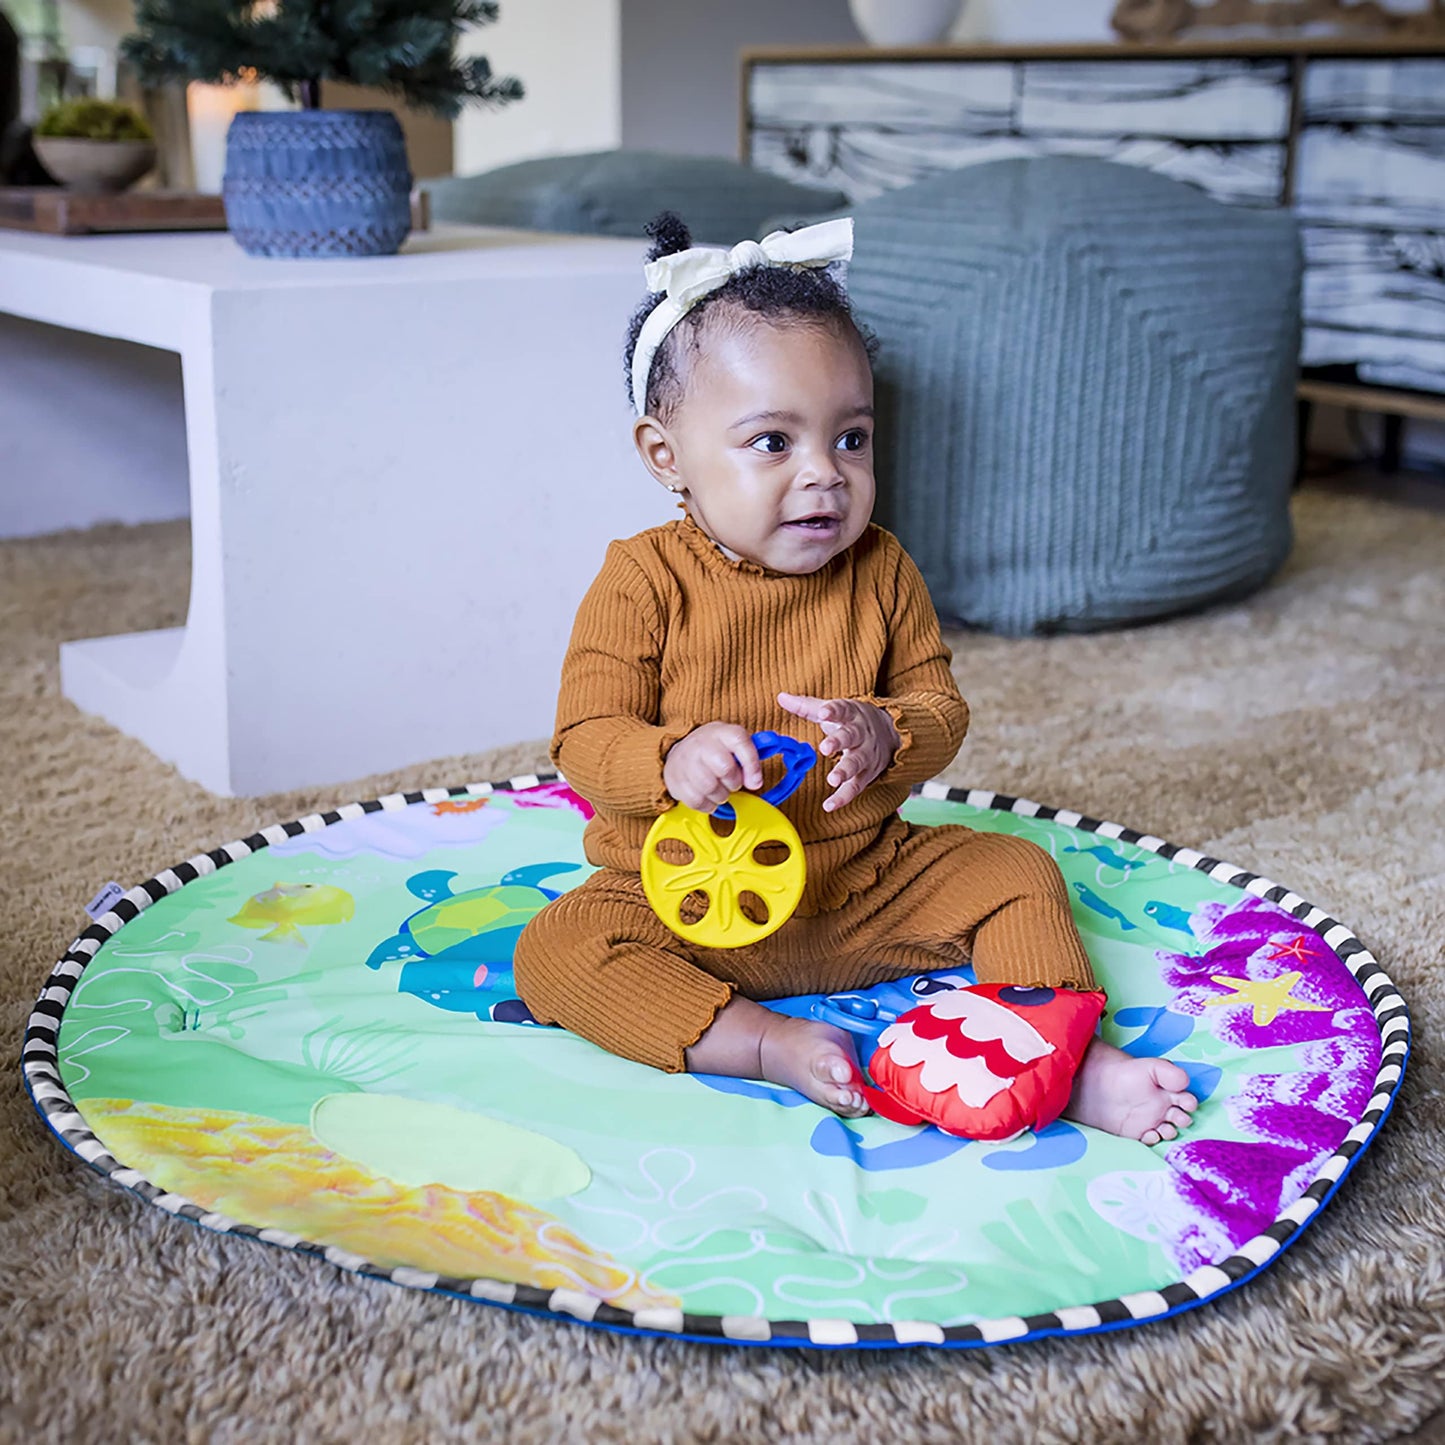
1303	411
1392	443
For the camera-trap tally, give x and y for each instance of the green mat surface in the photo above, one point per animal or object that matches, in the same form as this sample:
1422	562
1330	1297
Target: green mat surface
311	1036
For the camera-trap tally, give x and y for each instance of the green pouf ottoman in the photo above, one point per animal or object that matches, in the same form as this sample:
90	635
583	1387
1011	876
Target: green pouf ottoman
1087	390
616	193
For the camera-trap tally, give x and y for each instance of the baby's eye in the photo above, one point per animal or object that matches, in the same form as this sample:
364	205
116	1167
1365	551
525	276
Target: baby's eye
853	441
772	442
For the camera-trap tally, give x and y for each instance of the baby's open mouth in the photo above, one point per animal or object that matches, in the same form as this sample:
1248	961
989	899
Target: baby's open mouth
819	523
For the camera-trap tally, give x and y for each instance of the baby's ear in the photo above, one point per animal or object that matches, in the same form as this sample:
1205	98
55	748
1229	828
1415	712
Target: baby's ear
655	447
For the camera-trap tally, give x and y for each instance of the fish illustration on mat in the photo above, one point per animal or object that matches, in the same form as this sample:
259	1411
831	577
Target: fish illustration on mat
1091	900
1108	856
1167	915
285	907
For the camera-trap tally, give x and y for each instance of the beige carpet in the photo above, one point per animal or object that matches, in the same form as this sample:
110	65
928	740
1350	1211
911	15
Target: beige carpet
1300	735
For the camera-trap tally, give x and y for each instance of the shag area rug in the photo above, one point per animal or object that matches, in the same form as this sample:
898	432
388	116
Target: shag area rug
1300	734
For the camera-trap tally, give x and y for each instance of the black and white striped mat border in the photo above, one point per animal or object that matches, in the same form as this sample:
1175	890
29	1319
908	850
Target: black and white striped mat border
42	1078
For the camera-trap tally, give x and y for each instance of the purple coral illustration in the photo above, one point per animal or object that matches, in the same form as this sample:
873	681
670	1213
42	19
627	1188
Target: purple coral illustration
1266	983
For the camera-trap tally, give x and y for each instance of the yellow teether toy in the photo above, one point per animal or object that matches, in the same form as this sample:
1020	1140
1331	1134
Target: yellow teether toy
725	868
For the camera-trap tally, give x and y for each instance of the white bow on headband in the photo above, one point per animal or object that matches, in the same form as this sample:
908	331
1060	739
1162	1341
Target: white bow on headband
688	276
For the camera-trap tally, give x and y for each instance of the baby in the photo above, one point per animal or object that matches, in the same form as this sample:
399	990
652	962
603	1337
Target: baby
775	603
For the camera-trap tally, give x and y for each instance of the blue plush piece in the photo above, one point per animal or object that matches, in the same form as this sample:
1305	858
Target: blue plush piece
1087	384
615	193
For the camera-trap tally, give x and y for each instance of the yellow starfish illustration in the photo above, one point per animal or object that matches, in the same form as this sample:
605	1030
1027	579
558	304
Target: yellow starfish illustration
1270	996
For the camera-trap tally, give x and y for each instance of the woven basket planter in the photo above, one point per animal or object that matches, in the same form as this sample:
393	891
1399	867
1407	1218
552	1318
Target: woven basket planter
317	183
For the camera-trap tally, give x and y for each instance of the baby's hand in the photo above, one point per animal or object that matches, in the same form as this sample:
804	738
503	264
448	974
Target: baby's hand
709	763
864	734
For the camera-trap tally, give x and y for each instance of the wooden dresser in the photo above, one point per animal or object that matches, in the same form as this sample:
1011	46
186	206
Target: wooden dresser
1351	134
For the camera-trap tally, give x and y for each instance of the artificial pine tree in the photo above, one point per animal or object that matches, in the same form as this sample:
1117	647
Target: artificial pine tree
408	47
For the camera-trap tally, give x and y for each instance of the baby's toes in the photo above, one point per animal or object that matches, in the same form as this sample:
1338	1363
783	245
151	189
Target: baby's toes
838	1083
843	1096
1170	1077
1178	1118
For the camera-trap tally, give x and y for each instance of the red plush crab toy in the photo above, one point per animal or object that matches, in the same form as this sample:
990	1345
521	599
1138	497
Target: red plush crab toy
984	1062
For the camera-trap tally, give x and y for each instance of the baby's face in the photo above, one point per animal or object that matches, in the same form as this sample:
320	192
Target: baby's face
772	444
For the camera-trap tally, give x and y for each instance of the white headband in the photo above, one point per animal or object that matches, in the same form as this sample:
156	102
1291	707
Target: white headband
688	276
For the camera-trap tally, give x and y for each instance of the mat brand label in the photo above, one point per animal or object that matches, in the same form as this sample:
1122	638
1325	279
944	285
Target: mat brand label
105	900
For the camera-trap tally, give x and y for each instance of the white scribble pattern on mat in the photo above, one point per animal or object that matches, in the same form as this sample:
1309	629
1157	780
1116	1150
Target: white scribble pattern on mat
954	1284
114	1033
185	965
680	1232
791	1267
650	1231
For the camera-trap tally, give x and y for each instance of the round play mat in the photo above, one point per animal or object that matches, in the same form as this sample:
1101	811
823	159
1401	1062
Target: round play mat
311	1037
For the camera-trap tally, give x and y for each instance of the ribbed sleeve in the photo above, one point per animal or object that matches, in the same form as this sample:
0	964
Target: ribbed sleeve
608	741
917	686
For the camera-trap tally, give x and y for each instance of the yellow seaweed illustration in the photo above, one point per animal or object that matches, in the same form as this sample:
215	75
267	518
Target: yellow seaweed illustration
276	1175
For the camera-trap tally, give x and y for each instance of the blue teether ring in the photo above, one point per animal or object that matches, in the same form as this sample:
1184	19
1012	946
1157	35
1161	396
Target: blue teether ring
798	757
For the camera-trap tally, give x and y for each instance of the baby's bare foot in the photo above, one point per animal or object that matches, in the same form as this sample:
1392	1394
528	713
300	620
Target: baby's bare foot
1145	1099
815	1059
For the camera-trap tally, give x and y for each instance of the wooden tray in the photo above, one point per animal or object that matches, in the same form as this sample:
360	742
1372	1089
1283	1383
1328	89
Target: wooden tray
78	213
60	212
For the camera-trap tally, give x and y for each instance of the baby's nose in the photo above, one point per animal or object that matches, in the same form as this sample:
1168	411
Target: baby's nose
819	468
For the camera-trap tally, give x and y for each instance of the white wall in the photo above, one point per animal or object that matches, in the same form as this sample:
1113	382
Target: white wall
568	55
95	22
680	65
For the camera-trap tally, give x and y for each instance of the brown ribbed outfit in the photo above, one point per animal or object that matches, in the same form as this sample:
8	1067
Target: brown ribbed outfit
673	634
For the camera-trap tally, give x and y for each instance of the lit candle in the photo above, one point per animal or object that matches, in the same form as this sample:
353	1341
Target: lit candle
209	109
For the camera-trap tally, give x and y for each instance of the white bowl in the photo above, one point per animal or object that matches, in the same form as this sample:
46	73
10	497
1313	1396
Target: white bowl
905	22
94	165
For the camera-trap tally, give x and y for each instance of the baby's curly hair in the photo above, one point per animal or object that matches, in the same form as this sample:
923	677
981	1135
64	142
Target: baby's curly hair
808	295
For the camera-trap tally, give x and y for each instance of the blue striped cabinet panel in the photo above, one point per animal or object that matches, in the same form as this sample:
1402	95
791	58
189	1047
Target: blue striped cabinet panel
1355	143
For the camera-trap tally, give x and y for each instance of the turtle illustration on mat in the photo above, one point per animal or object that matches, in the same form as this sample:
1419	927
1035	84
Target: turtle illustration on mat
456	952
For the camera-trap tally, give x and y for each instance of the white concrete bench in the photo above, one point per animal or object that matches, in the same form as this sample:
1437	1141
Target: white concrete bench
403	473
